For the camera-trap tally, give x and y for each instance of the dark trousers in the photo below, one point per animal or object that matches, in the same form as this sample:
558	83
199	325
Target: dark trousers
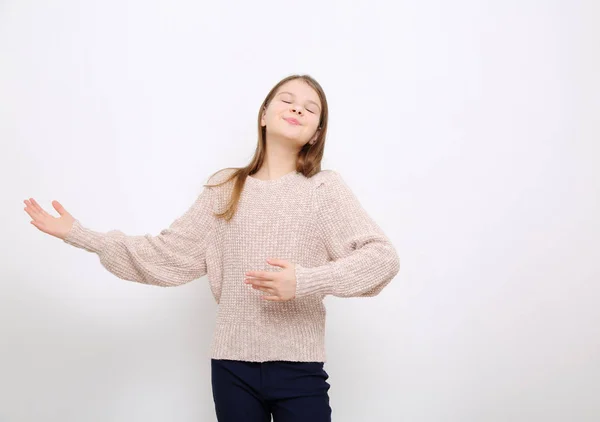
253	391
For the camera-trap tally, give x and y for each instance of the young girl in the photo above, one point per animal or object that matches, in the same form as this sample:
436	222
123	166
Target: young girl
274	238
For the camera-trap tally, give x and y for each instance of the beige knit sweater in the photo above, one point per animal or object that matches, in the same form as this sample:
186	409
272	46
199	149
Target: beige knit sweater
316	223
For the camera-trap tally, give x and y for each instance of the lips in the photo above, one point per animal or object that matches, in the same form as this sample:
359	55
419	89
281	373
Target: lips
291	121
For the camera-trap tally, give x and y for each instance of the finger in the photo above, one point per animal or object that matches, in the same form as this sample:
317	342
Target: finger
29	204
40	210
259	279
272	298
262	283
265	289
33	213
263	275
35	205
59	208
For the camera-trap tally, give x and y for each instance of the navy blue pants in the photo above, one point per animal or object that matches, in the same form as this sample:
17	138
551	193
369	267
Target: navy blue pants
253	391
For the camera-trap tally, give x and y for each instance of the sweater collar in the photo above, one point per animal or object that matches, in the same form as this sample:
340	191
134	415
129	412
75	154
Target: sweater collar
288	177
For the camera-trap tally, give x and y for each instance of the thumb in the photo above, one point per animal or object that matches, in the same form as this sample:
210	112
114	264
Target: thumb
278	262
59	208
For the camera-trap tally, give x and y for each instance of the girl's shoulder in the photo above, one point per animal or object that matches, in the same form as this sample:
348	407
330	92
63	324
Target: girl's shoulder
221	175
324	177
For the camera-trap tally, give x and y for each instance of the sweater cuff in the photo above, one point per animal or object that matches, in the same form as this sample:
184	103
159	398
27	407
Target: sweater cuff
83	238
313	280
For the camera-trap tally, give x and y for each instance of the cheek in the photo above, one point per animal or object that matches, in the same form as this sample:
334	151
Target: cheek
313	122
274	113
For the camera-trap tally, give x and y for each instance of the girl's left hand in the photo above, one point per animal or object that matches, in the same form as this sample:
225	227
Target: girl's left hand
281	285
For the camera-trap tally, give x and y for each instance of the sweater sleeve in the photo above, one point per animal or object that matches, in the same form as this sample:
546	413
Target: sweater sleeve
362	258
175	256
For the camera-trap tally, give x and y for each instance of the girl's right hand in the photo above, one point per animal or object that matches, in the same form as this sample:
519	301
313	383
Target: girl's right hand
57	227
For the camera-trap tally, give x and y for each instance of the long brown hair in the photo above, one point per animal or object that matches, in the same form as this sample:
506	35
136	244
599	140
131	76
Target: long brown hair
309	158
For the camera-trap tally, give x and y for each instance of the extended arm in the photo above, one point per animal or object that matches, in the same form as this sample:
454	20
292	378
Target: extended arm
173	257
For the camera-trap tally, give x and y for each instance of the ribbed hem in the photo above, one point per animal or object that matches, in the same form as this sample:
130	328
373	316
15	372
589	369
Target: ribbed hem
81	237
255	343
313	280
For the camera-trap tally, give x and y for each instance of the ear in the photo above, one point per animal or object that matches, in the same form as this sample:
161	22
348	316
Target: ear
315	136
262	119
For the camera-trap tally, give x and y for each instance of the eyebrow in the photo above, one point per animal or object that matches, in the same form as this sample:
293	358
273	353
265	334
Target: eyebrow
310	101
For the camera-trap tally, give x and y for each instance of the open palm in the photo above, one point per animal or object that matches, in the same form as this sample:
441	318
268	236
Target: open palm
55	226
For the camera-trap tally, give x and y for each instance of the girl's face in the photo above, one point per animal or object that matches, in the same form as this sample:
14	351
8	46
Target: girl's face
293	113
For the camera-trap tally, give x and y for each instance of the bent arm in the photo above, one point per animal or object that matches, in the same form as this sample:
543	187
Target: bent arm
363	261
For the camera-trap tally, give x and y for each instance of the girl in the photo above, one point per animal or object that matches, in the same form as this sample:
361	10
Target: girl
274	238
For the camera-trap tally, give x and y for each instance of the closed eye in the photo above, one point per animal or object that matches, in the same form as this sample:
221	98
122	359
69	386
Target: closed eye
289	102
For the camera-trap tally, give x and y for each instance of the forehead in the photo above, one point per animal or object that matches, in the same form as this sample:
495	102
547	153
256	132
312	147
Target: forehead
300	89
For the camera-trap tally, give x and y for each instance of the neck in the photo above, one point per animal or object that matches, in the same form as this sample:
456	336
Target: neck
280	159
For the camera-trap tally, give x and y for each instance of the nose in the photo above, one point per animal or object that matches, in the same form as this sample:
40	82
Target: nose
296	109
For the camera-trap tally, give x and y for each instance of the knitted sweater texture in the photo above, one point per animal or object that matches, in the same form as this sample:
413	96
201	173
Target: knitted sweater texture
316	223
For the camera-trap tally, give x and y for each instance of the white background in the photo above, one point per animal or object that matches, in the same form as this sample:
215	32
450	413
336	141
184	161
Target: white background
468	129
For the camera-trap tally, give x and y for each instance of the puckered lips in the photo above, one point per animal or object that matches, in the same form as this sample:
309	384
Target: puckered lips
292	121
